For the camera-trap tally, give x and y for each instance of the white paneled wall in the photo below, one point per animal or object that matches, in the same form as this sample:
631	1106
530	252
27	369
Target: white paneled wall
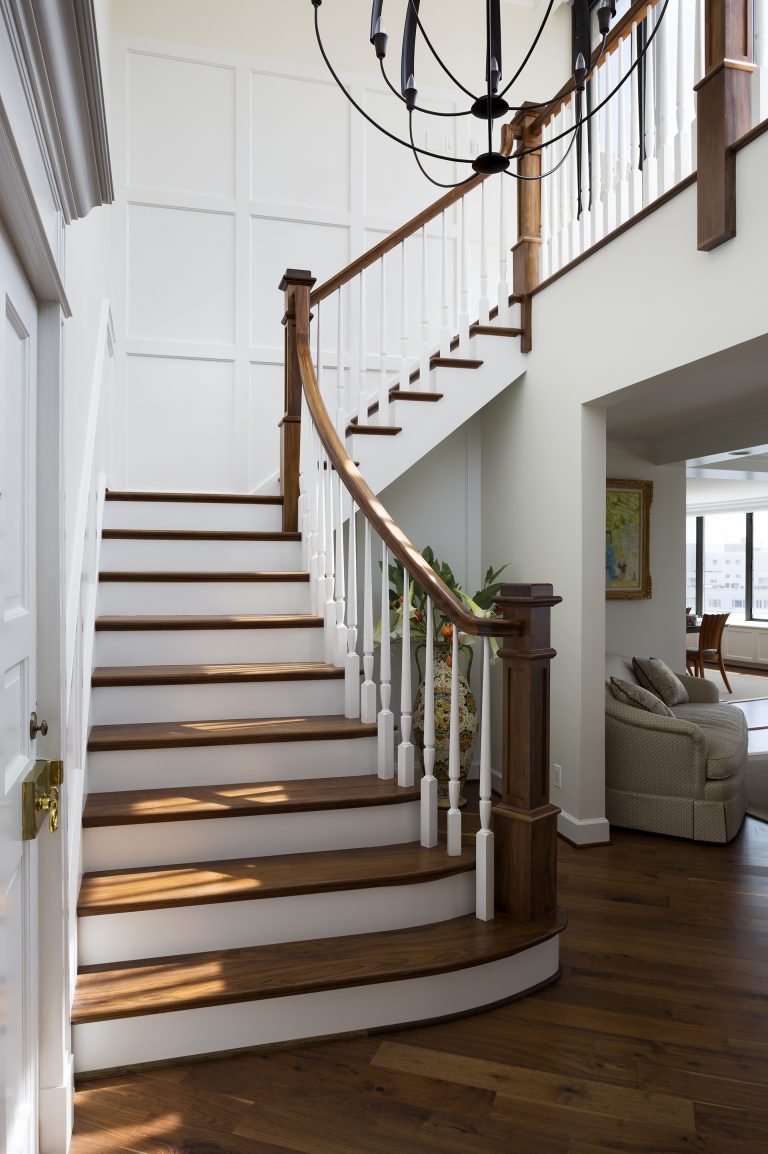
229	170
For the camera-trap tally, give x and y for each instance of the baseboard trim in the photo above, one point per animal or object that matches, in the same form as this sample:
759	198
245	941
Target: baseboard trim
583	832
56	1106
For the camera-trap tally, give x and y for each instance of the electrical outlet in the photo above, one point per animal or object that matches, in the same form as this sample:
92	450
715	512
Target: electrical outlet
557	776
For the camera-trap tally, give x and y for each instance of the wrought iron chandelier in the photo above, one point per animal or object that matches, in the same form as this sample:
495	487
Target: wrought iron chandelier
491	104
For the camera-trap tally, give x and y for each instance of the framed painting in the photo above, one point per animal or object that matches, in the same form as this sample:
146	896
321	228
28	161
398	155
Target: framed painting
627	536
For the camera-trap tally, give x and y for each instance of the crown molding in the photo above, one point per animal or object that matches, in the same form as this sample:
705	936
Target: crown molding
57	53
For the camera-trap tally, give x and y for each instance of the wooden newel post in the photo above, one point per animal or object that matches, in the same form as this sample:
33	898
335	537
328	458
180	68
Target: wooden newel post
526	253
723	114
524	822
296	284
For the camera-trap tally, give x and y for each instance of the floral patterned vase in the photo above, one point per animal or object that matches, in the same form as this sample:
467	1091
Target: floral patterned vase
467	720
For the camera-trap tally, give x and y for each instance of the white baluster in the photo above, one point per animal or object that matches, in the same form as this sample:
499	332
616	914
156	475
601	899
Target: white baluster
650	166
546	235
319	354
665	147
699	60
305	450
368	688
386	717
609	170
760	76
329	611
503	254
352	666
563	197
340	658
429	781
683	101
574	240
484	901
622	167
425	353
405	748
362	367
585	220
320	583
596	201
484	304
454	757
445	319
314	512
555	152
383	381
405	361
464	310
341	423
635	167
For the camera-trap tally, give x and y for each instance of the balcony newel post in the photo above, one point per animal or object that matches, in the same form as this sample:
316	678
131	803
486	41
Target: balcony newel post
525	823
723	114
296	285
526	253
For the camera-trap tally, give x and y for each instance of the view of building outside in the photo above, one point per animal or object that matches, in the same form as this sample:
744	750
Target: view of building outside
725	563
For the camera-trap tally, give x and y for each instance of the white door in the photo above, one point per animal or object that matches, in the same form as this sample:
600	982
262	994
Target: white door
18	859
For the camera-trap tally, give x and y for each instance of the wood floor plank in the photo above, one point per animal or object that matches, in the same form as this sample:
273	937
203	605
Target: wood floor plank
203	802
204	883
232	731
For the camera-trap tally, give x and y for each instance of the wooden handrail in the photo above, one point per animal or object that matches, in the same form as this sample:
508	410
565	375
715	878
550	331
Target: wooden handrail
617	33
509	133
370	505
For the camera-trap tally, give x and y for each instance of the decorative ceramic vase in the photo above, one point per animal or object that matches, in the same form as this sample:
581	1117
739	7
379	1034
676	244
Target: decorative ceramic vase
467	719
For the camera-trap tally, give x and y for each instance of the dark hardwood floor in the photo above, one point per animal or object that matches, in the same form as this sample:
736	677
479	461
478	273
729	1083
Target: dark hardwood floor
655	1041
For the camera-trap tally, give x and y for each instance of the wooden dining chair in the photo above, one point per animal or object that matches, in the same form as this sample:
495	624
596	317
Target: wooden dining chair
710	646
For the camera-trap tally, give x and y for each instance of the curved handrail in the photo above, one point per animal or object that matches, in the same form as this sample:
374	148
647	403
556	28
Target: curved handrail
509	134
381	520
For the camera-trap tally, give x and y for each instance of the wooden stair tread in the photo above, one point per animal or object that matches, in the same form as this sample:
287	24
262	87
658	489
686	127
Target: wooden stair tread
200	802
195	535
210	621
493	331
207	498
215	978
283	875
183	576
455	363
396	394
125	675
239	731
373	430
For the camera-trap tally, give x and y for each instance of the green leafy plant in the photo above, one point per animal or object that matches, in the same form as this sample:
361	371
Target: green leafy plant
481	603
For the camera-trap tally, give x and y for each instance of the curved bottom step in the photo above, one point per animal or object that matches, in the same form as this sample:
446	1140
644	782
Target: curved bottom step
206	1003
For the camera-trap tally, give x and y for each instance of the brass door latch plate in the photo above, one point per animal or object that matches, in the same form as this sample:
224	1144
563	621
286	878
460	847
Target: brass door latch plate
40	798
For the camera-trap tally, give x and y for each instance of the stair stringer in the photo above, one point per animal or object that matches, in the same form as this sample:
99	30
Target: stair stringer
465	392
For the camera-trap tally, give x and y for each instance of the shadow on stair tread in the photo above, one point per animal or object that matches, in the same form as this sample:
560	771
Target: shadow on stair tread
201	883
214	978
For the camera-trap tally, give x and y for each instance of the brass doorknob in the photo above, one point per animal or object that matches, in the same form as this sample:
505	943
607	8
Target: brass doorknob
34	728
49	803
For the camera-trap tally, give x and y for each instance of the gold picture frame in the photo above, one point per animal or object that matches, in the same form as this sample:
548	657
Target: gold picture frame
627	539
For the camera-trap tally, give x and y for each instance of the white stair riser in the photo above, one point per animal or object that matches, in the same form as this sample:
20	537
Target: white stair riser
177	842
203	597
240	518
118	705
155	1037
229	764
203	556
206	646
229	925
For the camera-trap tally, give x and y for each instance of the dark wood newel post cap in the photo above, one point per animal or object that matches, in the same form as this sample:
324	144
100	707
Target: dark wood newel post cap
296	276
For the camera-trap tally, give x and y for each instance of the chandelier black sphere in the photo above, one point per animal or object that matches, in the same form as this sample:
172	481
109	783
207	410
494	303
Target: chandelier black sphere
489	105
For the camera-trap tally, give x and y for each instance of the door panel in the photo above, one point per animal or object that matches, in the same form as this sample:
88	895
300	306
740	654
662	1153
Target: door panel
18	859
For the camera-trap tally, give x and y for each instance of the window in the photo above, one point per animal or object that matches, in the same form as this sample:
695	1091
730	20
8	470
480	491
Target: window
727	564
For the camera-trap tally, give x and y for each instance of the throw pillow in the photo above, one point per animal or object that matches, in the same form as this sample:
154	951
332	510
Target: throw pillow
655	674
630	694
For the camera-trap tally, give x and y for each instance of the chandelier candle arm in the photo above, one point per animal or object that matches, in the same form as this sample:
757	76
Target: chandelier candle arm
484	897
429	781
352	666
454	756
386	720
405	751
368	688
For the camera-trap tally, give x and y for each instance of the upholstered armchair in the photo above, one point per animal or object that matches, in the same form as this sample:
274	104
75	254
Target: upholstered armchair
682	775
